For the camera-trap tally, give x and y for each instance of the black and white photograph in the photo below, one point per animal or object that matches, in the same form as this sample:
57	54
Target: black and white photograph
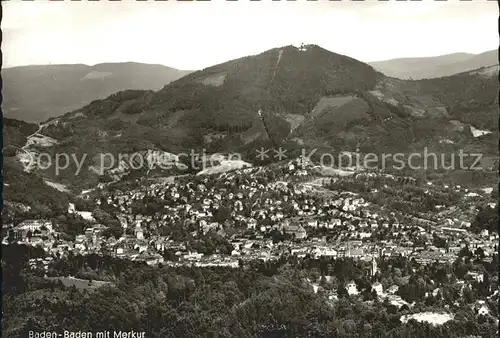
250	169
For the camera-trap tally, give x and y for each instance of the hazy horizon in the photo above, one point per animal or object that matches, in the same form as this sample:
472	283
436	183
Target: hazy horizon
92	65
432	56
43	33
159	64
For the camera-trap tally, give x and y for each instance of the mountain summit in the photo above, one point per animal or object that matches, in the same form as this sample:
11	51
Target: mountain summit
223	102
304	97
282	80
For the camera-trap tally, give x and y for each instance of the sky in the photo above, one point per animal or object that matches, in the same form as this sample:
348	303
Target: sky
195	35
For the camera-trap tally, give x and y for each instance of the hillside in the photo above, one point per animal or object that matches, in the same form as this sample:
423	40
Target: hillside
285	97
16	182
36	93
438	66
15	134
217	108
41	197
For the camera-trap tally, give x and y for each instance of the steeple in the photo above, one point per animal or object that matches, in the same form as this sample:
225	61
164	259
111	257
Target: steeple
374	268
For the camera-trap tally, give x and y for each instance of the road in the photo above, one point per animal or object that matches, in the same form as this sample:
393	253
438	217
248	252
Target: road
37	132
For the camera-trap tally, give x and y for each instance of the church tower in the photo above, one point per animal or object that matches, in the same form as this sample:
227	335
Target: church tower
139	233
374	268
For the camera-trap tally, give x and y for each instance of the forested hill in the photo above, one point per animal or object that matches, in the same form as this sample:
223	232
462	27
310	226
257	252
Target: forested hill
36	93
304	97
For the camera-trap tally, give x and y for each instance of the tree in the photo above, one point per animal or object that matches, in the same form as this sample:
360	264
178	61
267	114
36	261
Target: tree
468	295
484	286
439	241
479	254
341	291
11	236
222	214
349	326
465	252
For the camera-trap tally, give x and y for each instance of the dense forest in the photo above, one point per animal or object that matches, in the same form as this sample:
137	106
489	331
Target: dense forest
257	299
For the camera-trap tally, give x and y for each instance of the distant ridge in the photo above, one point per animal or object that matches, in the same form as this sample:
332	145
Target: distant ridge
436	66
38	92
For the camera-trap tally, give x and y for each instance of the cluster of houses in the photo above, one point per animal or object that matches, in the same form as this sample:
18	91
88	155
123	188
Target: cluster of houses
254	204
262	217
